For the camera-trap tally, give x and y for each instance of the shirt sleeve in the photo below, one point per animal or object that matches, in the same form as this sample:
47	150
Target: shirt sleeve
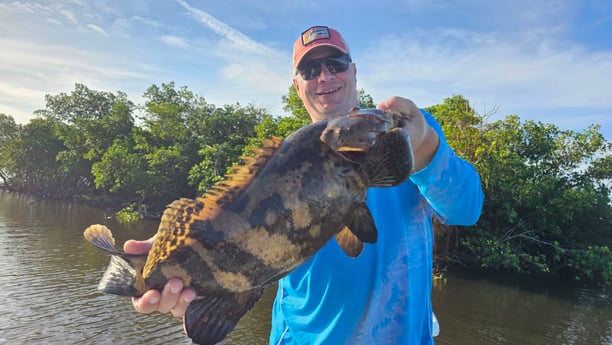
450	184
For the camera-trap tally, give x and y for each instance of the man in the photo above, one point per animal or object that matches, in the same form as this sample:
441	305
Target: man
384	295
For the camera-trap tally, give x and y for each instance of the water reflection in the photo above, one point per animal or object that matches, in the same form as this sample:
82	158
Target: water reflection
480	311
49	276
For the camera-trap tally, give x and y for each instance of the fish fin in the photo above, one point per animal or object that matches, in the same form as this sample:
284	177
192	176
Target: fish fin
120	278
174	228
178	218
209	319
101	237
390	161
226	191
123	276
360	229
349	243
362	224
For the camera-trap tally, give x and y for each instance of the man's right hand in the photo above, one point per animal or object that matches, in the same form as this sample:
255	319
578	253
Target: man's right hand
173	298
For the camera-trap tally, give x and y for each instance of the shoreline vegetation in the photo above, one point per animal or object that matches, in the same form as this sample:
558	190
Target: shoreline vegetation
547	211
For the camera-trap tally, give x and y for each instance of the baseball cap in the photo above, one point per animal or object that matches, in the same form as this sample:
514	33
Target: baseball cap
314	37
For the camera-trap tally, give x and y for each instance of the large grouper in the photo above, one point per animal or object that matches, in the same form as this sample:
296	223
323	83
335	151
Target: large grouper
270	215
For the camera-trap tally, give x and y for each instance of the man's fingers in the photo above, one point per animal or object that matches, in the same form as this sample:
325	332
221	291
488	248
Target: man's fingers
186	297
172	299
147	303
170	295
405	107
137	247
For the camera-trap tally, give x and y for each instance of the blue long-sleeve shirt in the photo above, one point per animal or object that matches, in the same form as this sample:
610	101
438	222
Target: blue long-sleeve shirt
384	295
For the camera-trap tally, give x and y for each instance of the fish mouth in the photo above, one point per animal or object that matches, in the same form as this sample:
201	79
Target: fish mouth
352	154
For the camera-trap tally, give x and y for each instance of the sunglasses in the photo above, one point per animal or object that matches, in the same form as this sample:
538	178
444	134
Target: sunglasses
312	68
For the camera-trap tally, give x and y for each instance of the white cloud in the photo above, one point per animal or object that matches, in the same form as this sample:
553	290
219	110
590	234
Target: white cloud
54	21
511	57
97	29
146	21
490	67
248	70
69	15
32	70
174	41
25	6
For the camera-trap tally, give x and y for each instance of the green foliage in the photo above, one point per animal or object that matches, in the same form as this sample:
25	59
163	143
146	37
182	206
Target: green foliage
184	147
9	132
84	123
547	208
547	193
365	100
33	167
593	263
129	214
122	169
230	129
293	104
462	127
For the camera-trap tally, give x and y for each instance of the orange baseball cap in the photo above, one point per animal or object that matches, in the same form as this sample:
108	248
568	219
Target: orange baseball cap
314	37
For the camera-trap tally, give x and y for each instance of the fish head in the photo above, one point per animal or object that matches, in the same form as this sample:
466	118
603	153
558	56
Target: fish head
352	135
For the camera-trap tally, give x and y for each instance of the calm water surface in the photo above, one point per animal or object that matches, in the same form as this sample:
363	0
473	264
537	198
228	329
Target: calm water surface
49	274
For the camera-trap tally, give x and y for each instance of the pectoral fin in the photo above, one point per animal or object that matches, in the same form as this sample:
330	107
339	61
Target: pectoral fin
209	319
390	161
360	228
349	243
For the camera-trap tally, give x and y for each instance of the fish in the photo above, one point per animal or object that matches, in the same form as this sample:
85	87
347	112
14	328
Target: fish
270	215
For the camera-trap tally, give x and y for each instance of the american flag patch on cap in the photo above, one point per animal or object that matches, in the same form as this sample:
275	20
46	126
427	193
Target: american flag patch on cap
315	33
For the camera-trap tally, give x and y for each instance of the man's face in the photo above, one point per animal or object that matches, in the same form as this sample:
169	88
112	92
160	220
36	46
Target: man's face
327	94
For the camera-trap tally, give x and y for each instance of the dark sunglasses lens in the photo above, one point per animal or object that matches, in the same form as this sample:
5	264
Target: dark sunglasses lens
337	65
312	69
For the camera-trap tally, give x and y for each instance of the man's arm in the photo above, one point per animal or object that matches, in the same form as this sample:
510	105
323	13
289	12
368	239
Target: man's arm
450	184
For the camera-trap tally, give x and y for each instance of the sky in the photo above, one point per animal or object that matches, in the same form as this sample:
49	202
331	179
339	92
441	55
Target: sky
543	60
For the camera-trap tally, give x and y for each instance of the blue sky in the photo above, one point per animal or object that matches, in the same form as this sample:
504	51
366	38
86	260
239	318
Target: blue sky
544	60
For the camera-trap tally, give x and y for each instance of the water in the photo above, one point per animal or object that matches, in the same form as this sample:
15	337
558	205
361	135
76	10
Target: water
49	274
480	311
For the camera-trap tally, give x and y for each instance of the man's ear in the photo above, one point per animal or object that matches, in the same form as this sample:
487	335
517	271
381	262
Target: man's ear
296	85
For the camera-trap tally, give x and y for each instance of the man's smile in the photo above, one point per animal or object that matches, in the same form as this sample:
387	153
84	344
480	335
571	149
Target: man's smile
327	92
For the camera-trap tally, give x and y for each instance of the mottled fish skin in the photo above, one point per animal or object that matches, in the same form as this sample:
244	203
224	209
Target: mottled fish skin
351	133
270	216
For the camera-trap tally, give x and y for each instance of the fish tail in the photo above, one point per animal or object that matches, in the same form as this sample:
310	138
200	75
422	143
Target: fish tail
121	278
124	273
101	237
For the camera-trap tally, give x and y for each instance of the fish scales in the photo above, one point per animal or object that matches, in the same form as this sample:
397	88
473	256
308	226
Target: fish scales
272	214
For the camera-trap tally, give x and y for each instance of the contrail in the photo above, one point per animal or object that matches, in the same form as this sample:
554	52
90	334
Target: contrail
228	32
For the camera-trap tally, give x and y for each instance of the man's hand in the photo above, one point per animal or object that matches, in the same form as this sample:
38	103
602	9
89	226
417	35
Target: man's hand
423	138
173	299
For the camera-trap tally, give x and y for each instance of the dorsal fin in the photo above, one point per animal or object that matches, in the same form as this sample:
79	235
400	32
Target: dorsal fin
178	218
226	191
